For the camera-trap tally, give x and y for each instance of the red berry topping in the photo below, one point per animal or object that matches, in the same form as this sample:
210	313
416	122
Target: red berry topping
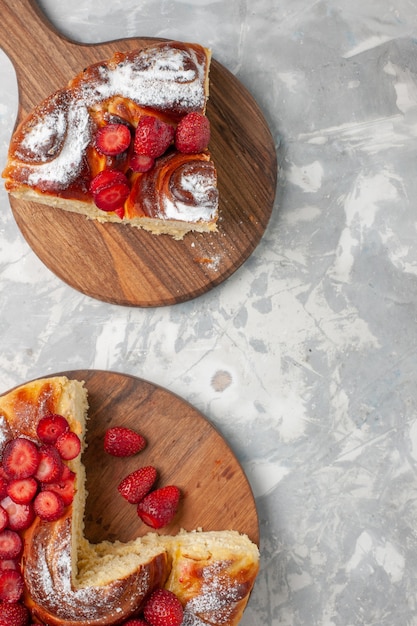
65	488
112	198
13	614
20	515
3	486
20	458
122	441
48	505
153	136
11	585
9	564
4	519
50	427
11	544
136	622
138	484
22	490
68	445
141	162
158	508
163	609
50	465
105	178
113	139
193	133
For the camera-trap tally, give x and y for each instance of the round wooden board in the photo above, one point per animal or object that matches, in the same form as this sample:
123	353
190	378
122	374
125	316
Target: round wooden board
124	265
184	447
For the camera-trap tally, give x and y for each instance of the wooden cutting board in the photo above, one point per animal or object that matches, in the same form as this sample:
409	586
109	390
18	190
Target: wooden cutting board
183	446
124	265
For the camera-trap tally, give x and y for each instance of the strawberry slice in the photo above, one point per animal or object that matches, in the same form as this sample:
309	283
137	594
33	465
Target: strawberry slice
20	515
159	507
22	490
113	139
122	441
50	466
11	585
51	426
111	198
152	136
105	178
68	445
65	488
9	564
20	458
4	519
13	614
11	544
137	484
163	608
3	486
141	162
48	505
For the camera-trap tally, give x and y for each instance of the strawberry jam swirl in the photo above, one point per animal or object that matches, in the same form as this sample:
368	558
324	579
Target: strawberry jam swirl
166	78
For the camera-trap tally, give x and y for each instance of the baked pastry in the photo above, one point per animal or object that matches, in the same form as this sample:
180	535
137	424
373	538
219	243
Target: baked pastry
72	582
54	155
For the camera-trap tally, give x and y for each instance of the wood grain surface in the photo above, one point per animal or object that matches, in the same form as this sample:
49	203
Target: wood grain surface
124	265
184	447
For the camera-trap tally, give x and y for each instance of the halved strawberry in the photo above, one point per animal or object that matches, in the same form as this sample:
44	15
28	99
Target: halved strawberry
137	484
153	136
111	198
13	614
163	608
68	445
113	139
141	162
20	458
65	488
20	515
22	490
193	133
50	465
122	441
11	544
51	426
11	585
48	505
159	507
105	178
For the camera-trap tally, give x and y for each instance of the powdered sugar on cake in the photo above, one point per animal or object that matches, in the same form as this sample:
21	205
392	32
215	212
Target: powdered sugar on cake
192	189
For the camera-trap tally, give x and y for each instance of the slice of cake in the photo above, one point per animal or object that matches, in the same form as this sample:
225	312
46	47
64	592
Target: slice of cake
70	581
125	141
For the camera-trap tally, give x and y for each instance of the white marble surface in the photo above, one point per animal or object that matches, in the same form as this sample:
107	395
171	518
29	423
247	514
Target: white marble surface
316	332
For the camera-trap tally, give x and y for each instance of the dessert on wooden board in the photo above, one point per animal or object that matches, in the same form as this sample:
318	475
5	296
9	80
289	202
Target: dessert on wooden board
51	574
126	141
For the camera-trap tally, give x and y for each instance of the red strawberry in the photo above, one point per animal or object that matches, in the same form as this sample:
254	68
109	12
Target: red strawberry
193	133
50	427
48	505
3	486
105	178
9	564
4	519
50	466
68	445
13	614
112	198
113	139
20	515
20	458
11	585
163	609
158	508
137	484
141	162
64	488
136	622
22	490
11	544
122	441
152	136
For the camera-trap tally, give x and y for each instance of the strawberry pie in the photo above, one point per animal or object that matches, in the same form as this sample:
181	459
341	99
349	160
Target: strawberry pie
126	141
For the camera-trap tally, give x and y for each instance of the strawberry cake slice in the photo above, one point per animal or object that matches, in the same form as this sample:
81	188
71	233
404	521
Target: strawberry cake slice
125	141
